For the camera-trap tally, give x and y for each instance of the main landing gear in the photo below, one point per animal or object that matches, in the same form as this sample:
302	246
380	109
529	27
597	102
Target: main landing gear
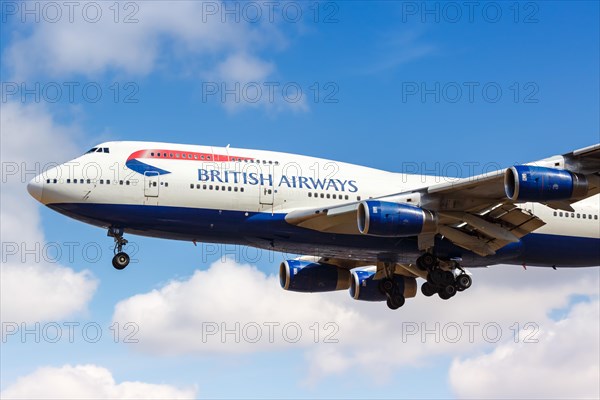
121	259
442	278
395	298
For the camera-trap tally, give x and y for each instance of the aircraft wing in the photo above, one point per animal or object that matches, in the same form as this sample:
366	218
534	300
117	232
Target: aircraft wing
474	213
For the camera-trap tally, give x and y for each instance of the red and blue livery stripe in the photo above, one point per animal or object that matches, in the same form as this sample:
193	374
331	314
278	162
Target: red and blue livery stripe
133	161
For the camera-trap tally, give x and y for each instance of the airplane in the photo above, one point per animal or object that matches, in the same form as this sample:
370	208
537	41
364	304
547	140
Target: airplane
370	231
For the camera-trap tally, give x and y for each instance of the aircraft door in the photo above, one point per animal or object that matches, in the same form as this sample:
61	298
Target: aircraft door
266	194
151	183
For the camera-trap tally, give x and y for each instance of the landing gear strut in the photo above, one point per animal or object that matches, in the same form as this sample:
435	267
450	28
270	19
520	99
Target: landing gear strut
121	259
389	287
441	278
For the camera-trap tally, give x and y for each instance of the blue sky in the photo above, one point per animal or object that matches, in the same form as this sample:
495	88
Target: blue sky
363	64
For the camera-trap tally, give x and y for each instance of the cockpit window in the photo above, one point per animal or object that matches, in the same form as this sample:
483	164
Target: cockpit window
98	150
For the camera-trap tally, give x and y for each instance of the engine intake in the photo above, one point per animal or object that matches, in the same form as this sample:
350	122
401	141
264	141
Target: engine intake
364	287
541	184
308	277
382	218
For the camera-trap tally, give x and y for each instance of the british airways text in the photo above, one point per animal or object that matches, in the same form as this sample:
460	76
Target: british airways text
298	182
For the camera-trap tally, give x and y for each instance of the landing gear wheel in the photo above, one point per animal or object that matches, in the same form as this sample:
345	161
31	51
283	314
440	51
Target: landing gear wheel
396	301
426	262
447	278
386	285
463	282
120	260
447	292
436	277
428	289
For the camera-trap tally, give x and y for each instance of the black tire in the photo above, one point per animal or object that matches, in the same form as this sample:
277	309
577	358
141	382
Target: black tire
447	292
427	262
396	301
463	281
386	286
428	289
120	260
435	277
447	278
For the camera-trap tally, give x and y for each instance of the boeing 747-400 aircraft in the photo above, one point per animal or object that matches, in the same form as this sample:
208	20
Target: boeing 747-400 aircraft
370	231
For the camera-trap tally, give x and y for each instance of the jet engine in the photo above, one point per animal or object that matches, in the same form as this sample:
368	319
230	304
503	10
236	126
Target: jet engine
307	277
524	183
382	218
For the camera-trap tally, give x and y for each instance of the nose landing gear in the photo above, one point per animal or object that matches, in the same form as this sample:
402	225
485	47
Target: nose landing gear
121	259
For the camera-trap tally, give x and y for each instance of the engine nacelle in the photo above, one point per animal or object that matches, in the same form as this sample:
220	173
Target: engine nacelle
307	277
364	287
383	218
540	184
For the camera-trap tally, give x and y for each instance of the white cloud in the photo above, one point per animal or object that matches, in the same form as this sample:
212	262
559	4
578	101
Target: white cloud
32	288
172	319
87	382
157	31
564	363
371	339
198	40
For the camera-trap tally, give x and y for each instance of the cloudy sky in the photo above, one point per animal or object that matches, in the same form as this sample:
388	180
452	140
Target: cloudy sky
403	86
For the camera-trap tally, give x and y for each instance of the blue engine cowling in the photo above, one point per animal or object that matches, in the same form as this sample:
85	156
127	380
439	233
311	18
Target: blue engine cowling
307	277
383	218
541	184
364	287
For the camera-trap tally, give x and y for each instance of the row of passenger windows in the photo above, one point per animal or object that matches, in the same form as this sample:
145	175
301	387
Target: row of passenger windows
94	181
331	196
216	187
209	158
574	215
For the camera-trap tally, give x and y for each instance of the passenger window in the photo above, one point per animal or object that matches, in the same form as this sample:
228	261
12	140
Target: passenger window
229	189
358	198
555	213
210	187
583	216
68	181
120	182
56	181
191	185
322	196
126	183
102	181
560	214
204	187
241	189
152	154
309	194
89	181
166	184
346	197
223	188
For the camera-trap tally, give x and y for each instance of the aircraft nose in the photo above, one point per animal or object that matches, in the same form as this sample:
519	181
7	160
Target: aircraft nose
35	188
